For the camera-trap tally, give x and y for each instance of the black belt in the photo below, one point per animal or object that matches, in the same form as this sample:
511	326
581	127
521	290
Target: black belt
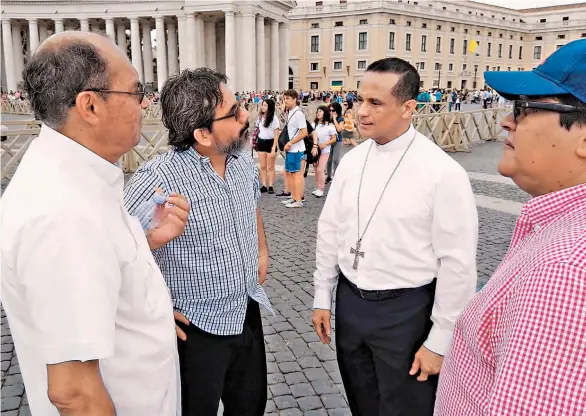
382	294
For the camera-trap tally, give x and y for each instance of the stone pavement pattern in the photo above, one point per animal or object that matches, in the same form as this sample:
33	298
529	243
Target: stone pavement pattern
303	375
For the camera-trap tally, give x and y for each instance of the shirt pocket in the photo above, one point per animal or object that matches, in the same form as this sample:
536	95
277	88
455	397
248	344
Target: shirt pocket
149	290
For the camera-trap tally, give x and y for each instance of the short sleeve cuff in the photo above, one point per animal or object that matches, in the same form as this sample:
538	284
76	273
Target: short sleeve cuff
322	299
78	351
438	340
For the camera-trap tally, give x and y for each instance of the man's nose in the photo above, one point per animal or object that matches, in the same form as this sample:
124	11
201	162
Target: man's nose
508	122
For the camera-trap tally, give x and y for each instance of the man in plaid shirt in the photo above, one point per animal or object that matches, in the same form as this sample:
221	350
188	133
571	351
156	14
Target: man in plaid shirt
519	348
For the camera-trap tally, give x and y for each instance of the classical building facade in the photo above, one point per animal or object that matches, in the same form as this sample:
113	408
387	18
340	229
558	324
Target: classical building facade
247	40
333	41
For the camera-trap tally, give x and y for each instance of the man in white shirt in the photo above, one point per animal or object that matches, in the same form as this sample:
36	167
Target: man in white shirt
90	314
295	149
398	233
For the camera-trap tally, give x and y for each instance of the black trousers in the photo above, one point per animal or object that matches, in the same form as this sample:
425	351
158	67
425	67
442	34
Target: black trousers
231	368
376	341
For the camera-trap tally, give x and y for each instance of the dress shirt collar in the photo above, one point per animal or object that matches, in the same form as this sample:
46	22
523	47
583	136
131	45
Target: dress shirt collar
399	143
201	159
544	209
74	152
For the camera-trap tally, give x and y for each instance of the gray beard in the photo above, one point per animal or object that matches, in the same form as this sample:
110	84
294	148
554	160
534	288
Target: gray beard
236	146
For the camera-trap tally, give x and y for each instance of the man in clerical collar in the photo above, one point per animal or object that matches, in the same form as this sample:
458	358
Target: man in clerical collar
398	233
519	346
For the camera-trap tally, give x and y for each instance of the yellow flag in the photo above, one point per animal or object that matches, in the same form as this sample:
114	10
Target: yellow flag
472	46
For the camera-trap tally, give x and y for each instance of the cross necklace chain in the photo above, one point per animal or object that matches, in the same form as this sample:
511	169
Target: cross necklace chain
356	251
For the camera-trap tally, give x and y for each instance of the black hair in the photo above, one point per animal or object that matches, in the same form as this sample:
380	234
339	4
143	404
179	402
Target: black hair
407	87
337	108
327	118
567	120
270	114
188	102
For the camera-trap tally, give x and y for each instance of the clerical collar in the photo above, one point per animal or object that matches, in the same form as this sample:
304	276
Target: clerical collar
396	144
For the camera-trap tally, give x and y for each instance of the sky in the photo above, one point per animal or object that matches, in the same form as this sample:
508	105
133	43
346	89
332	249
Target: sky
525	4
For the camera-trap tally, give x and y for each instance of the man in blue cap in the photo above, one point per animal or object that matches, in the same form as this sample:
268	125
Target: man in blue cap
519	347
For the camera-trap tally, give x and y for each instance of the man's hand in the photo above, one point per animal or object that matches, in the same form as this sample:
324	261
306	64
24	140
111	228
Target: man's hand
287	146
263	267
322	326
174	216
181	318
428	362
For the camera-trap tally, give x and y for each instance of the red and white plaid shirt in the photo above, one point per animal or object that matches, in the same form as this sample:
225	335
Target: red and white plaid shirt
519	347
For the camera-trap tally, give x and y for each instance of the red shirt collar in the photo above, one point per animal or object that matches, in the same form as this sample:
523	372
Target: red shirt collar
544	209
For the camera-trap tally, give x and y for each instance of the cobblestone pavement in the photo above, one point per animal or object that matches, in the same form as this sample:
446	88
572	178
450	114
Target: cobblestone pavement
303	375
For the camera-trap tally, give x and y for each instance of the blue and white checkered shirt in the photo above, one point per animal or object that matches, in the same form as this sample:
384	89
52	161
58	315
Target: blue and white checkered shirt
212	269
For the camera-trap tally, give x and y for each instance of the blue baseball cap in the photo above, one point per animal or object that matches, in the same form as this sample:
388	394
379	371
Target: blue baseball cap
564	72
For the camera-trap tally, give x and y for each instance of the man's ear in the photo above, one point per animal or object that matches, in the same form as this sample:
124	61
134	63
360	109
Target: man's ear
409	108
581	148
202	137
88	106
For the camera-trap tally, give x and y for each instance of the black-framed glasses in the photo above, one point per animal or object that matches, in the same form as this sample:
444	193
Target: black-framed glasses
520	108
234	112
140	91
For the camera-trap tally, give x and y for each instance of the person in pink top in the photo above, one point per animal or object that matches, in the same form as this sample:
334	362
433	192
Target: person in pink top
519	347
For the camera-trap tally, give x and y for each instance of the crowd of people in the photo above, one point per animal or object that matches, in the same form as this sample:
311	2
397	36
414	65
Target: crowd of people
118	309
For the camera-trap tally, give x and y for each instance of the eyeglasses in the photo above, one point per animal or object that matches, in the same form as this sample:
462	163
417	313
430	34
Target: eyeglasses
522	108
234	112
140	92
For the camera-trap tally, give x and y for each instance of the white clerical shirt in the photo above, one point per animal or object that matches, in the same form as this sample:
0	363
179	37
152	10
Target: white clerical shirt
79	281
426	227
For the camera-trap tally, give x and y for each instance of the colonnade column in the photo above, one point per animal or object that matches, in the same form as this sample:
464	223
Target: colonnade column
198	40
147	52
8	55
84	24
190	44
161	52
135	47
110	30
172	47
17	51
248	70
183	48
284	56
275	55
33	30
210	44
59	25
121	36
260	53
230	47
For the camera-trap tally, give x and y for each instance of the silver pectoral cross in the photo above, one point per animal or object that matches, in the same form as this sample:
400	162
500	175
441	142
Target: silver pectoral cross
357	254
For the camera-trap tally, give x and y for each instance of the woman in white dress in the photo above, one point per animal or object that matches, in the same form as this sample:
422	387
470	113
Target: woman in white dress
324	136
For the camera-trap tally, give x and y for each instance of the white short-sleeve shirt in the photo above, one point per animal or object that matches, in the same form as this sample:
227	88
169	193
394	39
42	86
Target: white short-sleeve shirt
324	134
267	133
79	281
296	121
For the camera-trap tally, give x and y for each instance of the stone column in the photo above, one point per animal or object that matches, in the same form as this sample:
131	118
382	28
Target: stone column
84	24
59	25
183	48
135	47
17	51
161	52
110	30
275	56
172	48
260	53
249	54
8	55
121	36
199	41
147	52
33	32
210	44
190	41
43	34
284	56
230	47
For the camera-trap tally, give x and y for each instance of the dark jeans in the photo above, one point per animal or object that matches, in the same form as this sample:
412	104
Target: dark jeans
232	368
334	159
376	341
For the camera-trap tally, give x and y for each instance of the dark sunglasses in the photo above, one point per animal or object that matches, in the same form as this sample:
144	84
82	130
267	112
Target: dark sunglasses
234	112
520	107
